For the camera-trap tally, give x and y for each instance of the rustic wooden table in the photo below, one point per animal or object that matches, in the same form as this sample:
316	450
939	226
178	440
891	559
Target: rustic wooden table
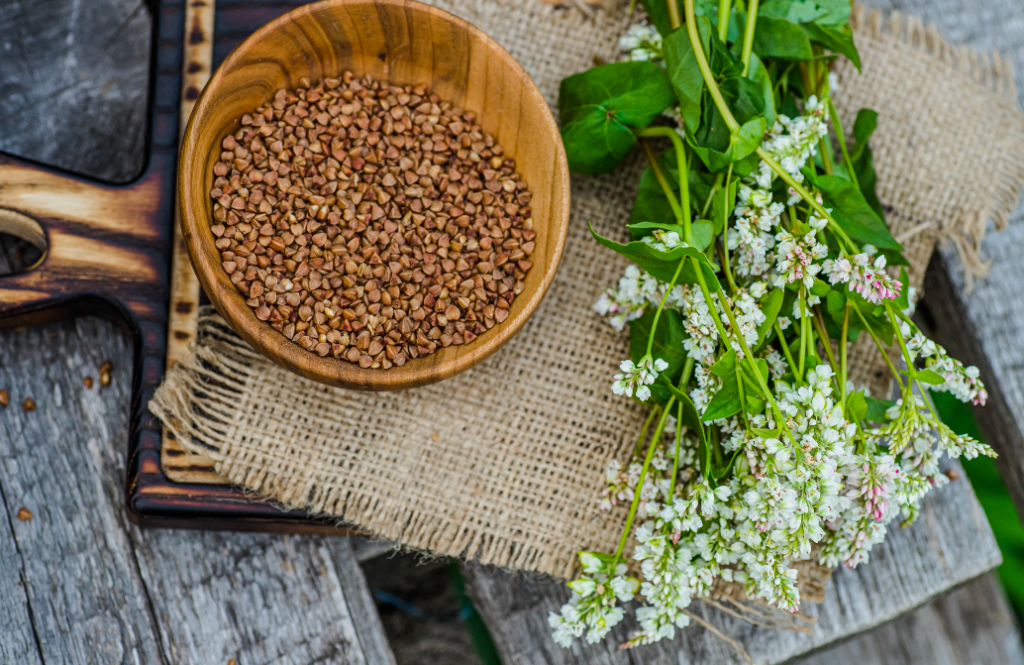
80	584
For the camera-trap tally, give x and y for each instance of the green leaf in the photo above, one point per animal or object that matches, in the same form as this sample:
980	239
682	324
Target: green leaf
651	205
836	38
820	288
794	11
667	339
600	107
903	302
723	204
657	12
864	126
655	225
727	401
759	75
771	304
685	75
837	12
852	212
663	265
703	233
856	407
877	408
928	376
725	366
778	38
741	148
744	97
864	161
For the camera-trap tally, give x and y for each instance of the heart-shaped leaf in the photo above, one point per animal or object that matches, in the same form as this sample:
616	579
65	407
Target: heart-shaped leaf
664	265
599	109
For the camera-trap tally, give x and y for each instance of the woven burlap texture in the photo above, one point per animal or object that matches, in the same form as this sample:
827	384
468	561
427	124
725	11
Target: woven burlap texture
504	463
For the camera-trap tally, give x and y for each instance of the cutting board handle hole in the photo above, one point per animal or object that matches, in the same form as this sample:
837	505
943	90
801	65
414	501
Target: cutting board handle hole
23	243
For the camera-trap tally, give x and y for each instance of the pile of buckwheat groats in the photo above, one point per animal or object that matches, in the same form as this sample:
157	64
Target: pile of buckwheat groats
371	222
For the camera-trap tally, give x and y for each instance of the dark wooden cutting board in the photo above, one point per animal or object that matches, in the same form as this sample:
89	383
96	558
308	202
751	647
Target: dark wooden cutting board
108	253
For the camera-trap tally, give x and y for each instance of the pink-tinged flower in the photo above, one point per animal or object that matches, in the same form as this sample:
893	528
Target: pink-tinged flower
861	276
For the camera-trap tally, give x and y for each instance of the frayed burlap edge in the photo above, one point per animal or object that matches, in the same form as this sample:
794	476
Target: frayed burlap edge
992	72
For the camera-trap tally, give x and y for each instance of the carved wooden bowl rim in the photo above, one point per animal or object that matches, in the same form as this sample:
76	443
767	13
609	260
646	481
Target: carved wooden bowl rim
199	152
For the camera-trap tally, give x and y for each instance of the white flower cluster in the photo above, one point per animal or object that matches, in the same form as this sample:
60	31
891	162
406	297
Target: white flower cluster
799	257
790	142
593	608
664	241
637	291
635	379
641	42
962	382
757	216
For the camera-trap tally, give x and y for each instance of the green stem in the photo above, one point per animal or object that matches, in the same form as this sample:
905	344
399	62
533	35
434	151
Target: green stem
842	354
640	483
785	350
724	7
673	13
675	462
881	349
725	225
661	305
684	171
826	159
748	37
705	69
643	432
804	333
819	323
659	175
841	137
687	371
899	337
806	196
747	354
723	253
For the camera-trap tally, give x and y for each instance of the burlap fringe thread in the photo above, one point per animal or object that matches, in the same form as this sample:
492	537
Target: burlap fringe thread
210	400
993	73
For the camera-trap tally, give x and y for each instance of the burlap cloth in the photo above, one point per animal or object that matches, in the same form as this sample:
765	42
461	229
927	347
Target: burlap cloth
504	463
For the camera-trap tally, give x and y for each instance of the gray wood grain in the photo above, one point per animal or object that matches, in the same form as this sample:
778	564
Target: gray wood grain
74	84
17	639
100	589
64	462
970	626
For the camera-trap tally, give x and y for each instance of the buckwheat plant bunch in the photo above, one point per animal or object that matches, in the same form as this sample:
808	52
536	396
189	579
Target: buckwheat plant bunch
759	254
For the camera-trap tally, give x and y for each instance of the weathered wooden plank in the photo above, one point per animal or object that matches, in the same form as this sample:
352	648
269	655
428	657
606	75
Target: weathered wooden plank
73	71
259	598
63	462
969	626
949	544
102	590
17	637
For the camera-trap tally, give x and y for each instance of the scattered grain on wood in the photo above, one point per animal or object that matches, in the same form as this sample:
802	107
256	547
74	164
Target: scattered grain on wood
24	514
371	222
105	378
5	399
107	366
28	405
87	381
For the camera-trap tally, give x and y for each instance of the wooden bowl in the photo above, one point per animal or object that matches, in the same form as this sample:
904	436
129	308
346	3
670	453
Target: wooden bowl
402	42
